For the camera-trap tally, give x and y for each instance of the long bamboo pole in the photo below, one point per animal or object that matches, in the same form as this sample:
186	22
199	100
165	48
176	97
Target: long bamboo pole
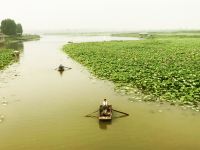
120	112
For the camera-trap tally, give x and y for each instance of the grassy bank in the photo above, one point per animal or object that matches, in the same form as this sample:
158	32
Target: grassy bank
150	35
165	68
6	57
22	38
12	43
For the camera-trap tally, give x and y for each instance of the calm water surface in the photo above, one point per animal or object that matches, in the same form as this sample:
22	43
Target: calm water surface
43	110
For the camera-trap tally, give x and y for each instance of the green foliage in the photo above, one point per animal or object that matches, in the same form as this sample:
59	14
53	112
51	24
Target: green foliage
6	57
19	29
167	68
8	27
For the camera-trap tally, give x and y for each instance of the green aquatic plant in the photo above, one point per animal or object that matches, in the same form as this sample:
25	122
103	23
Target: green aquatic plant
166	68
6	57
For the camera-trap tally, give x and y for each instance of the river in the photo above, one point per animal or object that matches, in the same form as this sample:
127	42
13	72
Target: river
41	109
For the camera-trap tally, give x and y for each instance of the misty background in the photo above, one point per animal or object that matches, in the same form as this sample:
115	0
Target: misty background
102	15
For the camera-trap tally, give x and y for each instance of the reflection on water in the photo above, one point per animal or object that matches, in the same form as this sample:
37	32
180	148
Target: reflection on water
61	72
104	124
13	45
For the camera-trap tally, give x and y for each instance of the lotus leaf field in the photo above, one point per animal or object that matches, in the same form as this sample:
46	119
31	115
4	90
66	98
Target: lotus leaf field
6	57
166	68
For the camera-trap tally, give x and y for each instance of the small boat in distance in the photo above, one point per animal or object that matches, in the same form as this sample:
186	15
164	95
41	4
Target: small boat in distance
105	113
61	68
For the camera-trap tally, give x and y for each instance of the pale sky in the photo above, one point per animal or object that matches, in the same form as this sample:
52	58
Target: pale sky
47	15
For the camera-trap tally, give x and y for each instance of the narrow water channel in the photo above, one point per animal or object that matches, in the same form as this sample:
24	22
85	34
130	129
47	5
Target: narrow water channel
41	109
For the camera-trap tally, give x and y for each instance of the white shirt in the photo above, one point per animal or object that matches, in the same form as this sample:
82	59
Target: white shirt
105	103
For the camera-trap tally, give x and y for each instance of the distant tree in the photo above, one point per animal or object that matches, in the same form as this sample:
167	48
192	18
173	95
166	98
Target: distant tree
8	27
19	29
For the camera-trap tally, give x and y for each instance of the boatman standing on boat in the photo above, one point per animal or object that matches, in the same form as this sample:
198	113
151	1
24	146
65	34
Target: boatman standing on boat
105	103
104	108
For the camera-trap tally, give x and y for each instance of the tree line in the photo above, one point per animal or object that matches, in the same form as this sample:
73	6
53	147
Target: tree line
9	27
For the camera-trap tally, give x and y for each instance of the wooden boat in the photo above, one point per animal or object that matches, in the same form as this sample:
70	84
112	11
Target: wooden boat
61	68
105	113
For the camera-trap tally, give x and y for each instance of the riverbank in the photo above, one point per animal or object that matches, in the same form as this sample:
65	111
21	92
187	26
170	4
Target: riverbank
26	37
165	69
172	34
12	43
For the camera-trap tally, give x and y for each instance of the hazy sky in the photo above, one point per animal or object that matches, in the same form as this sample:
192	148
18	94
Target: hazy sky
102	14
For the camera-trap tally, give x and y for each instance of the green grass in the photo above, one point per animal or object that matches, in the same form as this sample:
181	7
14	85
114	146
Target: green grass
6	57
167	68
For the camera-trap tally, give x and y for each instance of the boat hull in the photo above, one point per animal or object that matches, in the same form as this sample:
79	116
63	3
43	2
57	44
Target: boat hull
105	113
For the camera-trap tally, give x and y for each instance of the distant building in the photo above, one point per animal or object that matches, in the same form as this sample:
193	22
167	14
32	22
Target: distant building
2	38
